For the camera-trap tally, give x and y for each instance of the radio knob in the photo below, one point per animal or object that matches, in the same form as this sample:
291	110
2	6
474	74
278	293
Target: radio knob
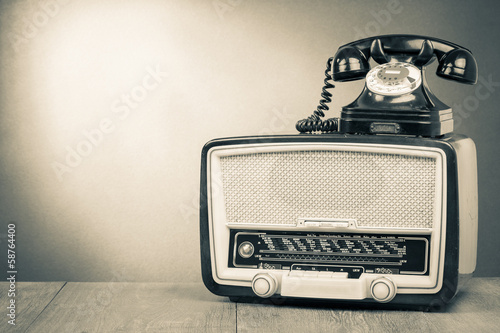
246	249
264	285
383	290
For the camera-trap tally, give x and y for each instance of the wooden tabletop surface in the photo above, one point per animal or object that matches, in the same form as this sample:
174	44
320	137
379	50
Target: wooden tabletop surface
166	307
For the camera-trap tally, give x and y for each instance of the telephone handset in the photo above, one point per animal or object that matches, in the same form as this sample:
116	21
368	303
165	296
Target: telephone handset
395	99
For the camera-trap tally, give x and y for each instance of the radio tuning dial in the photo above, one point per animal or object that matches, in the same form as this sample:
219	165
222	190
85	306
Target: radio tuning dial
264	285
383	290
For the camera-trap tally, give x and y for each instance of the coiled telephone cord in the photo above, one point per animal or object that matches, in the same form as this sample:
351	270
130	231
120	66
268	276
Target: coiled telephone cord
314	123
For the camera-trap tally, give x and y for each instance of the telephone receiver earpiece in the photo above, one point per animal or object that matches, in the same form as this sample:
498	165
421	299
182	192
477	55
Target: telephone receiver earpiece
459	65
350	64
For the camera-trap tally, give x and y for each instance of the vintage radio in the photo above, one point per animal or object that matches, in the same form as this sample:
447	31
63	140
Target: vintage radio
382	215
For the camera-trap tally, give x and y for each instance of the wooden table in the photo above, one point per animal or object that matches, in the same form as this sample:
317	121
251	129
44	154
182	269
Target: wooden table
165	307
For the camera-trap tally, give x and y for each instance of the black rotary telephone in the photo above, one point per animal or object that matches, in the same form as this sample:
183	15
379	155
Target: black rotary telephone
395	99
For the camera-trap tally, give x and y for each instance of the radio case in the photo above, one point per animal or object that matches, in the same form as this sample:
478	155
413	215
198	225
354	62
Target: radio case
383	220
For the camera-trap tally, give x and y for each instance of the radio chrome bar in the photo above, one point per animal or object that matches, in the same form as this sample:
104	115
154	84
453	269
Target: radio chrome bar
327	225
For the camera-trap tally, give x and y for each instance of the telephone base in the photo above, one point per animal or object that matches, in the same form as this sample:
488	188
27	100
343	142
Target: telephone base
402	122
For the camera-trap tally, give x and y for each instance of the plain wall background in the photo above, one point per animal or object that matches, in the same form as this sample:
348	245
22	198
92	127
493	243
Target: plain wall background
128	209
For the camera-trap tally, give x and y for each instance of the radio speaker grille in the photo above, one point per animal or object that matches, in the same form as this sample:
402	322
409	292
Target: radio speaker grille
376	189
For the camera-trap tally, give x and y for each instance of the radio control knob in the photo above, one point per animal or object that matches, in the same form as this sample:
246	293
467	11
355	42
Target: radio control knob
246	249
383	290
264	285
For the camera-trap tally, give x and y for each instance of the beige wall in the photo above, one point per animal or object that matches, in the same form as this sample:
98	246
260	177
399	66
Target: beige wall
150	82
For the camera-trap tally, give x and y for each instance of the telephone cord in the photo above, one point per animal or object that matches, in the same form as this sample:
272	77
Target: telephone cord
314	123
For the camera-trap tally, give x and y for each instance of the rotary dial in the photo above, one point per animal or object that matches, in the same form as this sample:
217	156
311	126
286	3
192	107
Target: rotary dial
393	79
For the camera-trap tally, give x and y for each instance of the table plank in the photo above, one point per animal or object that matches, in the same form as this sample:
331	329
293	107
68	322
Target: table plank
136	307
266	318
31	298
476	308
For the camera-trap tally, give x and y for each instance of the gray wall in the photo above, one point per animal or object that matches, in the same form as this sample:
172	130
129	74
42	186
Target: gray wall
151	81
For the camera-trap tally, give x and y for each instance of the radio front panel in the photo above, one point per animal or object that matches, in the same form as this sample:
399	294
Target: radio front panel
317	202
